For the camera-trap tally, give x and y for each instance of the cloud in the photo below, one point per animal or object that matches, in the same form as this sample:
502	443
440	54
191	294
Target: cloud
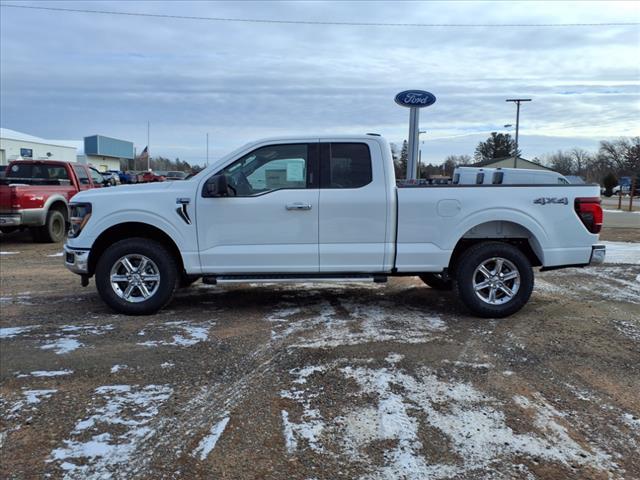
78	74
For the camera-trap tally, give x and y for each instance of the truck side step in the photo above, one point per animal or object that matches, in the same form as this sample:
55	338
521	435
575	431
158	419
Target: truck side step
293	278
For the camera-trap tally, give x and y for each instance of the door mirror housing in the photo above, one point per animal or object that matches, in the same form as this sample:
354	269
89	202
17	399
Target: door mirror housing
216	186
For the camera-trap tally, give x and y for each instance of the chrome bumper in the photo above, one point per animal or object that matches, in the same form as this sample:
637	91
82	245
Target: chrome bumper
10	220
76	260
598	253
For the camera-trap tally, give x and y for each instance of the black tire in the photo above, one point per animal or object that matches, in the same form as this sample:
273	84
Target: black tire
438	281
54	229
467	274
166	269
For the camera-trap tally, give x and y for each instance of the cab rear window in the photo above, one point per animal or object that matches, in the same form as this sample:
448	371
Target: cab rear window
46	172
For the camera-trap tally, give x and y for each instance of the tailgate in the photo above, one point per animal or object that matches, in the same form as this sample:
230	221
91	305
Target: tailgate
7	196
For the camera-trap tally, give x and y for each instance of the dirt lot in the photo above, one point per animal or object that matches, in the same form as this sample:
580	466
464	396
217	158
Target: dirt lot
318	382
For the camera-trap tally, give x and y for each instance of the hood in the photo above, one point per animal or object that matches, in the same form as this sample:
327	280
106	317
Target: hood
120	191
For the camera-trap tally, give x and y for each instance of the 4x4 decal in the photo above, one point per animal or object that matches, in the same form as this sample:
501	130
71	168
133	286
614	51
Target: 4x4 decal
546	200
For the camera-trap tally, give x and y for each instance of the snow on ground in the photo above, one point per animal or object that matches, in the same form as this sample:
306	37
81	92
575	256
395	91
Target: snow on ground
104	441
116	368
46	373
59	254
608	282
20	299
10	332
352	323
622	252
188	335
65	340
208	443
30	398
392	407
9	253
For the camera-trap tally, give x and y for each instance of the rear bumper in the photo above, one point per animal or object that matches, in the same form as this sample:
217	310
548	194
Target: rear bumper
598	253
31	217
76	260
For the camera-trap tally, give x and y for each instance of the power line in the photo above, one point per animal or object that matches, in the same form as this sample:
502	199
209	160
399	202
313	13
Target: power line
319	22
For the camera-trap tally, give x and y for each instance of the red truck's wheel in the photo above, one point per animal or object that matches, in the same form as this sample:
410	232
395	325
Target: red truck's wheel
54	229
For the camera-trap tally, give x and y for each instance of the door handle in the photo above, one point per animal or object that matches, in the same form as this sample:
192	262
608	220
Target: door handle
298	206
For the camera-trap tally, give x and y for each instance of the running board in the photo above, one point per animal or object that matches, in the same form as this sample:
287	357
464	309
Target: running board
292	278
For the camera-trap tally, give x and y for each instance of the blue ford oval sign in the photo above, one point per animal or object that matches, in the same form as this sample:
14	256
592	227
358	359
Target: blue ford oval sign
415	98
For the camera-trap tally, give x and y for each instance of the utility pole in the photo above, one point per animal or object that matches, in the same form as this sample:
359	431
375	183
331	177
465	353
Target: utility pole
517	101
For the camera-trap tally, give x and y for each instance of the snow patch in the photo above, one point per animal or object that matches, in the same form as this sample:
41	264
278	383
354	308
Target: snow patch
10	332
378	322
62	345
392	406
622	252
116	368
59	254
126	412
51	373
208	443
189	335
31	397
9	253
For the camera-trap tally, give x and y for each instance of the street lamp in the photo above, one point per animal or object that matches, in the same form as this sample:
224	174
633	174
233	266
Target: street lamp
419	153
517	101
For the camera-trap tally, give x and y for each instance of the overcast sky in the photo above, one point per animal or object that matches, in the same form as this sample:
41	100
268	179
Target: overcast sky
68	75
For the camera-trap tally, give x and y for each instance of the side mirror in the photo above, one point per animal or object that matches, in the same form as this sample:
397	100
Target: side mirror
216	186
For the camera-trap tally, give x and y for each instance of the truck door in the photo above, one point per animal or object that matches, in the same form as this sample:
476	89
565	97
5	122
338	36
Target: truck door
353	207
269	221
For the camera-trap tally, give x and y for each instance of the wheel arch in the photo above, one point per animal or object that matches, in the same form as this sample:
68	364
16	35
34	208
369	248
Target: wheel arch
126	230
513	233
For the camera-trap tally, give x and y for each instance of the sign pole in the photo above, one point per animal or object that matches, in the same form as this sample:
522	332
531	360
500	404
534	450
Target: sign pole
414	100
412	160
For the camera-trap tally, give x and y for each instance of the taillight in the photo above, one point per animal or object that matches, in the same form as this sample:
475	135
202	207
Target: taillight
590	213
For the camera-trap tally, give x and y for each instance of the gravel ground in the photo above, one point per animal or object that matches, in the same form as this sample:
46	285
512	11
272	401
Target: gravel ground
318	382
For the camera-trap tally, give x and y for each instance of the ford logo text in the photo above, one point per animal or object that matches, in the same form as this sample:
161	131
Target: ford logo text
415	98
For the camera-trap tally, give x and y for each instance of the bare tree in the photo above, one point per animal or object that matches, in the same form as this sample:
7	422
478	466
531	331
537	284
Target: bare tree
581	160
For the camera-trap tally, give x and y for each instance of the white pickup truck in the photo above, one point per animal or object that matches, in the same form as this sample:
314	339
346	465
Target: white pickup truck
327	209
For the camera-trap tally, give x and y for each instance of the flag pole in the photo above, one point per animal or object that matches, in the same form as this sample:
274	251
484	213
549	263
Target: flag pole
148	150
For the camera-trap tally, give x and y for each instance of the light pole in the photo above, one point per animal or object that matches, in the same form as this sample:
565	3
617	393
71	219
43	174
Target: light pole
419	153
517	101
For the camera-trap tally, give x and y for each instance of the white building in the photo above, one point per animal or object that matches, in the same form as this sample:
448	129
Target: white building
20	146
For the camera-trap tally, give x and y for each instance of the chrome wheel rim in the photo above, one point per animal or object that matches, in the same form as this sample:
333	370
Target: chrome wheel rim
496	281
135	278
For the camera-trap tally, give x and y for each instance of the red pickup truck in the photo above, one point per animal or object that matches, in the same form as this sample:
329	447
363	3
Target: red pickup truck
35	194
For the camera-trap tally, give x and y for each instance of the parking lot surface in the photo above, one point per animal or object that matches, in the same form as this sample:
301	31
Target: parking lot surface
319	381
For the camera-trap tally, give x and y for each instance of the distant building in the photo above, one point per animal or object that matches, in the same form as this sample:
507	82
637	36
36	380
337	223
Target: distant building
509	162
21	146
105	153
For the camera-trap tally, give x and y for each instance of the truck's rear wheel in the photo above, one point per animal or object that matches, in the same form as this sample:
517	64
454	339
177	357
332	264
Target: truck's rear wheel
494	279
438	281
136	276
54	229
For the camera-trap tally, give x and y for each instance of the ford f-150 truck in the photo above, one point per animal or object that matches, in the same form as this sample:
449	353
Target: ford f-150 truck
35	194
327	209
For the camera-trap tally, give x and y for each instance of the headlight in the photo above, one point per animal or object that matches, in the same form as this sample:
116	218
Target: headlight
80	214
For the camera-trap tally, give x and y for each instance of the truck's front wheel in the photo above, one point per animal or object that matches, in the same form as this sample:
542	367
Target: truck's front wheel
494	279
136	276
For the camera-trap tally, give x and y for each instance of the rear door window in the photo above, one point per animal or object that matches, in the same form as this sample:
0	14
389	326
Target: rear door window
345	165
81	173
